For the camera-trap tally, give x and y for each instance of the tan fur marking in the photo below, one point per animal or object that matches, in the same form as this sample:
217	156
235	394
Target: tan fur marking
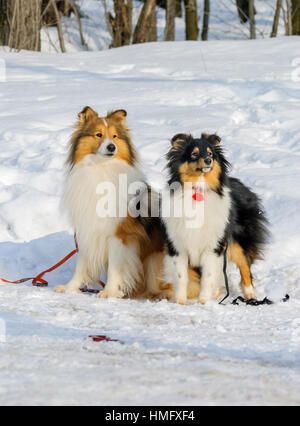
212	177
86	141
162	290
86	115
131	230
123	151
119	116
195	151
90	144
237	256
194	285
188	172
86	146
113	134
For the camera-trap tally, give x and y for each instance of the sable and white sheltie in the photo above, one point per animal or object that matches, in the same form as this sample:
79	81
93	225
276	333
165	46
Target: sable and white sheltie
231	215
130	249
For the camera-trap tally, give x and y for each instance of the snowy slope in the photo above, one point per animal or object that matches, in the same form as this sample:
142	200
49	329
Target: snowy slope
249	92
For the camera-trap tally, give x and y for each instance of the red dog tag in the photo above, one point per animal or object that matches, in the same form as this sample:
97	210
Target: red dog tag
198	196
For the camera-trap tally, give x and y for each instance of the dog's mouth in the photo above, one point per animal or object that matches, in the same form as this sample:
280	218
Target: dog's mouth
204	169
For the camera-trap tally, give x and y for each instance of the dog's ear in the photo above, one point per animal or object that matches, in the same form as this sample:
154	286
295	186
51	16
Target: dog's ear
86	115
178	140
119	116
215	140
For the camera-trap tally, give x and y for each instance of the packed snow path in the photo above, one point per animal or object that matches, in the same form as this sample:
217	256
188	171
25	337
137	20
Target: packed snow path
247	92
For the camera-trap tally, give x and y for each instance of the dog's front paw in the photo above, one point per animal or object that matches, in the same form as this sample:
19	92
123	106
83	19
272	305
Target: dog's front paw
181	301
203	299
65	288
218	293
105	294
60	289
166	295
249	293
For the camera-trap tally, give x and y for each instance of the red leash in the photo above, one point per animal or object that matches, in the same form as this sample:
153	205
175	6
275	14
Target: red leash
104	339
38	281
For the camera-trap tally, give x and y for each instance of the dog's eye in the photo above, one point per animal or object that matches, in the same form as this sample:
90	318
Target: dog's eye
115	136
210	154
99	135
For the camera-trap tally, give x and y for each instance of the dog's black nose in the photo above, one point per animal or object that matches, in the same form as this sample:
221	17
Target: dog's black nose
207	161
111	148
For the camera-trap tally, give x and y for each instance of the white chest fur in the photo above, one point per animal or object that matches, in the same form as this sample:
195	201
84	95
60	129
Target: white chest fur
201	225
81	198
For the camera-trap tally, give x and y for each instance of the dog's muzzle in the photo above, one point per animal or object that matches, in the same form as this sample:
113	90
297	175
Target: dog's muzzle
108	149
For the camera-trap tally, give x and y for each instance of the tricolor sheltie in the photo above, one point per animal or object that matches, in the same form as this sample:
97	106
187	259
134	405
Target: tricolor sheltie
130	249
231	216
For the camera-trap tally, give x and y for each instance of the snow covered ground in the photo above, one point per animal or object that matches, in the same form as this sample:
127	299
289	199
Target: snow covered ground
249	92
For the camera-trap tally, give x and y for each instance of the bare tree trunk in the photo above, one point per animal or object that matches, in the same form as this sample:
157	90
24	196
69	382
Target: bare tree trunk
49	16
108	19
122	23
206	20
59	27
179	8
20	24
285	19
191	20
170	20
77	14
289	24
252	20
4	27
129	13
118	24
276	19
143	27
296	16
243	10
153	27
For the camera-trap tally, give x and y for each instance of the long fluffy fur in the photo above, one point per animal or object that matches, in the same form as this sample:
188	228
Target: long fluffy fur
94	233
233	215
128	248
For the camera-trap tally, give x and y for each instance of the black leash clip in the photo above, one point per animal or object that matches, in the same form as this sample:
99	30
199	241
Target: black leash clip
254	302
251	302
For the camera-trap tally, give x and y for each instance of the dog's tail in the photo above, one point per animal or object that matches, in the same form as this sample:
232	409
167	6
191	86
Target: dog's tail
251	232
